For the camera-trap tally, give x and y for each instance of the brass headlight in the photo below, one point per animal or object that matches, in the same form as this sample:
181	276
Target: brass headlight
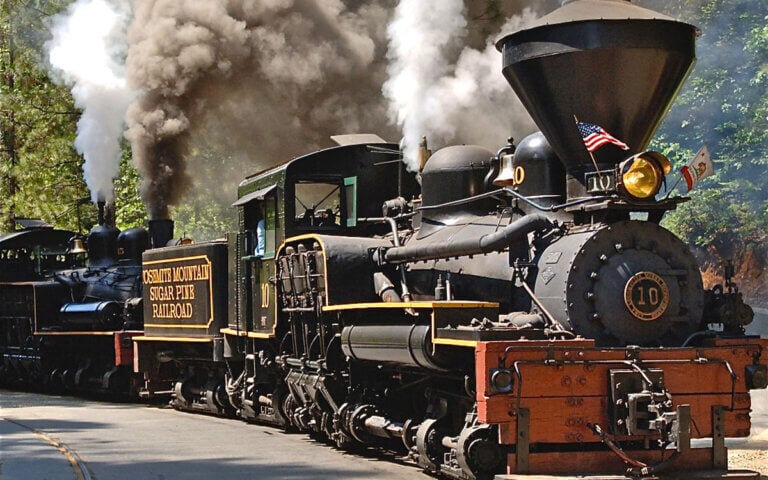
643	174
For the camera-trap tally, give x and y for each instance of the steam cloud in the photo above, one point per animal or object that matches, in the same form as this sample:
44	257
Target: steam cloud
260	82
433	26
467	101
84	53
275	79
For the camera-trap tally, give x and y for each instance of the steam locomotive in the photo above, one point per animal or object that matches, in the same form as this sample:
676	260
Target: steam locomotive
511	313
64	324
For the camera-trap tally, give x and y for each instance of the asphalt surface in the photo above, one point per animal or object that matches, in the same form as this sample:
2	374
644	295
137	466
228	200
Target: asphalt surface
28	454
59	438
45	437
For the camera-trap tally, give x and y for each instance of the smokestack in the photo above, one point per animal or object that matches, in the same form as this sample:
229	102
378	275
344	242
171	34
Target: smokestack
606	62
161	232
102	239
101	204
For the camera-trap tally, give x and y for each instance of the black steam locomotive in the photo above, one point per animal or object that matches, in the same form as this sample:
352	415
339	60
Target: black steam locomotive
513	313
65	324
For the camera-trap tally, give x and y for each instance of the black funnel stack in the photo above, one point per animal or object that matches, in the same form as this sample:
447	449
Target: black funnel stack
102	239
606	62
160	232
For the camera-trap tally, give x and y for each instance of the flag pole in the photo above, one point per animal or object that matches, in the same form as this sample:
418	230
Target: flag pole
594	162
669	192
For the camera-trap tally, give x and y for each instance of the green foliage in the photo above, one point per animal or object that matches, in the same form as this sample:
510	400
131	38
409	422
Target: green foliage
130	209
202	219
206	213
710	214
40	172
725	105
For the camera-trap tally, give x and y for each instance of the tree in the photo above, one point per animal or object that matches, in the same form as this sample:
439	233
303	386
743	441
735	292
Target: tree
8	121
725	105
40	171
130	210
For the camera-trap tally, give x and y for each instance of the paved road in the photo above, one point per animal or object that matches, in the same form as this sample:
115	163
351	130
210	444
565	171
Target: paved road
58	438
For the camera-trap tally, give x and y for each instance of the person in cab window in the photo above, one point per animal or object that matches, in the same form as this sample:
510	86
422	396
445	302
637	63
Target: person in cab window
329	218
260	239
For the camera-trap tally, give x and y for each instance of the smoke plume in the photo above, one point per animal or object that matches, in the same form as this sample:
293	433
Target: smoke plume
227	87
85	53
273	79
267	79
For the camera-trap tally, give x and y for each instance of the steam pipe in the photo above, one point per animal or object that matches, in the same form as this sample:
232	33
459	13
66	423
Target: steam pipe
406	293
523	198
498	240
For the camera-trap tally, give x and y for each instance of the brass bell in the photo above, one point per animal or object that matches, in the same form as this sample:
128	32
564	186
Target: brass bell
77	246
506	176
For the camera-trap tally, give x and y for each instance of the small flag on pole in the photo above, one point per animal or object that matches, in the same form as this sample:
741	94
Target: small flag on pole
595	137
698	168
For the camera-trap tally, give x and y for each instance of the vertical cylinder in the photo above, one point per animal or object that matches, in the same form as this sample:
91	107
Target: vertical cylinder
161	232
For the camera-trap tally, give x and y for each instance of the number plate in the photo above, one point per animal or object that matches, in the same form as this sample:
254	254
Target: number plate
601	182
646	295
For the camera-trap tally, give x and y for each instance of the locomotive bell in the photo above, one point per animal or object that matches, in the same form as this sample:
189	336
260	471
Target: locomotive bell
77	246
506	176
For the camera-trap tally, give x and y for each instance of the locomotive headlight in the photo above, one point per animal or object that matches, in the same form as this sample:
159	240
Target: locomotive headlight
642	175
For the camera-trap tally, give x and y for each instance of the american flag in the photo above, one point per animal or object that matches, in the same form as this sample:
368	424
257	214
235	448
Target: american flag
595	137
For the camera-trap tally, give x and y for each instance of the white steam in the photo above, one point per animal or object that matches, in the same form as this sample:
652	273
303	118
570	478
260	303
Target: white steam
86	53
463	101
419	37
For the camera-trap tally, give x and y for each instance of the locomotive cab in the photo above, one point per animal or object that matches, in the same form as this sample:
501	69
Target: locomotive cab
314	194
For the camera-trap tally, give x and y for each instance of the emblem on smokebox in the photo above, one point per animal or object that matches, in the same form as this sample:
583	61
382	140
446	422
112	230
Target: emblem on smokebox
646	296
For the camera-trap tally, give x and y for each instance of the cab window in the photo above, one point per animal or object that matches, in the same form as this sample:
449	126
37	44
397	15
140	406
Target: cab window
260	219
318	205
